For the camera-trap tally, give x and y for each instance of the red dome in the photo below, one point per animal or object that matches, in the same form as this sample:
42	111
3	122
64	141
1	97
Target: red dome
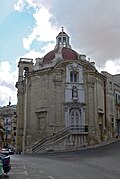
50	55
67	54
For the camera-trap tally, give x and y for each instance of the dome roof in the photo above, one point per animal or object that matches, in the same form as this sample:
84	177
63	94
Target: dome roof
62	33
67	54
62	48
50	55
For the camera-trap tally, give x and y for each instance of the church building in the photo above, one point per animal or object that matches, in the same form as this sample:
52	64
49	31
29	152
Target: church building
64	103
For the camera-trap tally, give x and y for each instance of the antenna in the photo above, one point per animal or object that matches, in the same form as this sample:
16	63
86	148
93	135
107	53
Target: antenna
9	100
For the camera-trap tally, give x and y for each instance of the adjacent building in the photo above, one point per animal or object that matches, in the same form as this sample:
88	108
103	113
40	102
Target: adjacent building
9	116
1	131
64	103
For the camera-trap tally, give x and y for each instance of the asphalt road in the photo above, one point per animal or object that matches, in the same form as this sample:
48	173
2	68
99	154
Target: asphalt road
96	163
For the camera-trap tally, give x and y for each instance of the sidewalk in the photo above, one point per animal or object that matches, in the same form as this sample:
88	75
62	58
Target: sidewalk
107	142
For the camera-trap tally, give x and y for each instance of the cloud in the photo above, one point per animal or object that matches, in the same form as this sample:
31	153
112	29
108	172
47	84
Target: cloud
112	67
7	84
43	31
39	3
20	5
94	26
31	54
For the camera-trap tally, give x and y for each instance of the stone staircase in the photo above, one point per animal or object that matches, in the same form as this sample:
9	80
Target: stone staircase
70	137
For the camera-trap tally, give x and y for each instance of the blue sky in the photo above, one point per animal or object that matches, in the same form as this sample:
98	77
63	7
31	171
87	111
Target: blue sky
21	35
13	28
28	28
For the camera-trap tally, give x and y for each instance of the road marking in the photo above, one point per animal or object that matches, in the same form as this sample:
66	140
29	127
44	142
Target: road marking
41	171
18	167
16	173
24	166
51	177
26	173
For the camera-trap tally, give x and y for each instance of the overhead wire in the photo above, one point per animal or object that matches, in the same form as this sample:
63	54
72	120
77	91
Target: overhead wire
4	93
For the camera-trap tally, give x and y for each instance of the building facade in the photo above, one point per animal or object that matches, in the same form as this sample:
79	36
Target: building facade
9	116
64	103
1	131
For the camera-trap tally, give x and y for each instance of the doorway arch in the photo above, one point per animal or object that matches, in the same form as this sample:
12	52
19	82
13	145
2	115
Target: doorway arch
75	117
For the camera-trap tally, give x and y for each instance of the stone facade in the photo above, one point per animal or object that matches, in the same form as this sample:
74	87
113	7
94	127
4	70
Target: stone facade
9	116
1	131
63	102
112	104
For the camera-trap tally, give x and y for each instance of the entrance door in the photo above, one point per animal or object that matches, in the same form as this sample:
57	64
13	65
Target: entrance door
118	128
75	117
100	131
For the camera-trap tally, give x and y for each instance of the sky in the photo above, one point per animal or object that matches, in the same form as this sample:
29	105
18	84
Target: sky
28	28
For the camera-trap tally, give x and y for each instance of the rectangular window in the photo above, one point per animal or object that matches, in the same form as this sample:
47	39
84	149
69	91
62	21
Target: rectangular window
6	121
14	128
59	40
6	137
73	76
41	117
119	99
116	98
14	133
119	113
112	120
111	106
64	39
110	85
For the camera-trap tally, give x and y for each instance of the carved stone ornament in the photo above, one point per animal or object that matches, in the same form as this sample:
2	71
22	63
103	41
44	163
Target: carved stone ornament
74	92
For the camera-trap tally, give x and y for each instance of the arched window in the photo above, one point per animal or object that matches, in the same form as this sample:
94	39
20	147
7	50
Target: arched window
75	117
59	41
25	72
64	39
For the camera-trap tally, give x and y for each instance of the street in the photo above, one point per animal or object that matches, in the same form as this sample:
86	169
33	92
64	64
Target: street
95	163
